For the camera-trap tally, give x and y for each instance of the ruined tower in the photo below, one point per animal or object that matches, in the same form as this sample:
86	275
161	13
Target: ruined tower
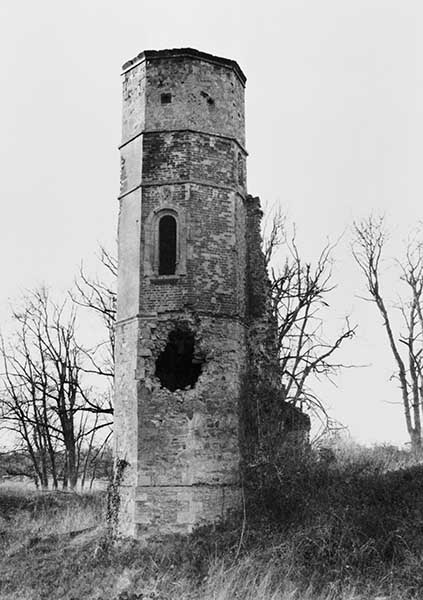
181	335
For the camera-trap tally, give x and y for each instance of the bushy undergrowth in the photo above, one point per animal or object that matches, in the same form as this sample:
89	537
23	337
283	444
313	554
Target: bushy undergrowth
343	521
332	525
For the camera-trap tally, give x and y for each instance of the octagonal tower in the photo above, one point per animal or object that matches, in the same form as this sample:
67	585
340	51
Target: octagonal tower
181	354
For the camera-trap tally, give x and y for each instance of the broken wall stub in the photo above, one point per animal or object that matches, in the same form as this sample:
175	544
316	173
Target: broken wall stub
193	337
269	422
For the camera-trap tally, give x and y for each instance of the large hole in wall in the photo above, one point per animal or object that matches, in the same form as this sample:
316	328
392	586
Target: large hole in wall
178	366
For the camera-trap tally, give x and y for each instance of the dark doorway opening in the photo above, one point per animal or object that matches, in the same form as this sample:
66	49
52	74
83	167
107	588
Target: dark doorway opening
177	366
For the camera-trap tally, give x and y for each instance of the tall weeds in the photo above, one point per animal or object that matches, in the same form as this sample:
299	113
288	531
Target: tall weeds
328	525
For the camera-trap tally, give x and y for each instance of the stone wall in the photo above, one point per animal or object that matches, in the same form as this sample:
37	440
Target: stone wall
269	422
196	359
189	437
182	154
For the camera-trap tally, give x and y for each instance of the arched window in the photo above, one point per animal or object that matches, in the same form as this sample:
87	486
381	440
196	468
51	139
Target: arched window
167	245
165	242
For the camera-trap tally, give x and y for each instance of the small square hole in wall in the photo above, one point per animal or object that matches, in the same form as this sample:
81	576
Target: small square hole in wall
166	98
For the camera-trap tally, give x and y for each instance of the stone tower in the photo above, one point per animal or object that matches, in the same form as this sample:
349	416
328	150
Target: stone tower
183	313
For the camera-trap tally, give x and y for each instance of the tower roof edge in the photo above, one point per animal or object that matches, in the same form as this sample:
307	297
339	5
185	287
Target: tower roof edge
188	52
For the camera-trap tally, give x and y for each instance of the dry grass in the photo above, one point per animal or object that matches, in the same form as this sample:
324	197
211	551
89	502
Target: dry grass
348	530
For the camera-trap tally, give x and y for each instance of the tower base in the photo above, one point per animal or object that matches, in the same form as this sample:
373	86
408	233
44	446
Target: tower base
161	510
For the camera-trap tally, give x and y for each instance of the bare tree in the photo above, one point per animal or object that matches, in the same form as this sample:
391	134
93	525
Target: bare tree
370	236
300	292
25	403
44	399
99	296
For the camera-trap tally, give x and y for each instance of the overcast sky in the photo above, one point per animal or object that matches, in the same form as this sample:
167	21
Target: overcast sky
334	105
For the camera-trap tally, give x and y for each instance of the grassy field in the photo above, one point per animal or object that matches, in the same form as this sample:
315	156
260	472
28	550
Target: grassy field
347	526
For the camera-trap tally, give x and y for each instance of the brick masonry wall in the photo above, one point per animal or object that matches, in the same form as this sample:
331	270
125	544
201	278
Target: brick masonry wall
188	439
205	96
268	421
186	157
190	436
214	259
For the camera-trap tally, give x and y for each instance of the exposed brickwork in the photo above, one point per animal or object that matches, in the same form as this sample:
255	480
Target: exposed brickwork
268	422
213	262
205	96
187	155
183	155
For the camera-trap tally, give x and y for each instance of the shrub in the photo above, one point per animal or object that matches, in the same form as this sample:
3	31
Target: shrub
351	519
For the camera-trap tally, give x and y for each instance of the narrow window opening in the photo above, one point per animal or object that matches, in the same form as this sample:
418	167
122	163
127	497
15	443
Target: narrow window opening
166	98
167	245
178	367
240	169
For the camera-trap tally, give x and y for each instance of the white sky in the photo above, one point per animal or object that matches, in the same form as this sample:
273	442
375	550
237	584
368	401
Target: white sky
334	130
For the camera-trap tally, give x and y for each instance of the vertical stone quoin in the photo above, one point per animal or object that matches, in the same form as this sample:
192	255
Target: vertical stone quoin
193	295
